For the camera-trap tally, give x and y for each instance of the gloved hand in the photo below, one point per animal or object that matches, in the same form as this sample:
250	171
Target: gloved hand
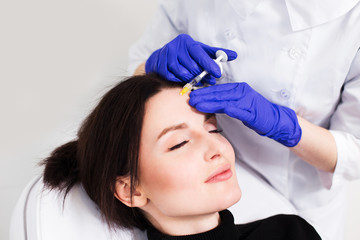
183	59
239	100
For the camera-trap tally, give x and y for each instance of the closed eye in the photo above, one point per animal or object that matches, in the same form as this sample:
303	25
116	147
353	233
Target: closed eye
178	145
215	131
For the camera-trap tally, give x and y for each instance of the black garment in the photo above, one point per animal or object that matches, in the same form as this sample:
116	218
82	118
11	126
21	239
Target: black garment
278	227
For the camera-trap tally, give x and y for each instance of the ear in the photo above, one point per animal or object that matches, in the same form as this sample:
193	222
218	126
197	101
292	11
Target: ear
122	193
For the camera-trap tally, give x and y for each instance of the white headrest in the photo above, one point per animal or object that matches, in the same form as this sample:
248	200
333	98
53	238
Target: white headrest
40	214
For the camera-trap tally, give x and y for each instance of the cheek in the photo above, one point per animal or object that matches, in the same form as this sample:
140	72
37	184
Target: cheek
160	177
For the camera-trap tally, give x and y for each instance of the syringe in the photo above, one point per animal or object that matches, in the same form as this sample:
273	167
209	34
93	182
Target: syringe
220	57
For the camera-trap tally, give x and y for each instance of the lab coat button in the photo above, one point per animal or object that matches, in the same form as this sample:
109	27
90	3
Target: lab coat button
294	53
229	34
284	94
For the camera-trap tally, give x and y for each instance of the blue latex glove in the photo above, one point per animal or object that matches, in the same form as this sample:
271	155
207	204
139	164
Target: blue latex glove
183	59
239	100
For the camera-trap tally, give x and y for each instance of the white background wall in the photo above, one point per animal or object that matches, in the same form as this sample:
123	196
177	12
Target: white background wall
56	59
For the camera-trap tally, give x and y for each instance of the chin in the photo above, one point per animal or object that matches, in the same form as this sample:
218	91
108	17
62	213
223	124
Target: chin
229	199
234	197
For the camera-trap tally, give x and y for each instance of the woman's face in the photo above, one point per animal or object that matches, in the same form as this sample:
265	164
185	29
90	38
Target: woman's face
186	166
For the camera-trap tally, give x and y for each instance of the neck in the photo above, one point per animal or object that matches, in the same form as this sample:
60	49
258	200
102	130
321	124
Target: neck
184	225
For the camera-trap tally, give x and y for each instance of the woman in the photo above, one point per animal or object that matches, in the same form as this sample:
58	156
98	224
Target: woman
149	160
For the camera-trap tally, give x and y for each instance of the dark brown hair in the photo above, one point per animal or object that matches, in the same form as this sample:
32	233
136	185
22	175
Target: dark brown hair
107	146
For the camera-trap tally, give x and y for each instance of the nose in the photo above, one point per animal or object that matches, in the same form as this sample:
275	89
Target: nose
214	149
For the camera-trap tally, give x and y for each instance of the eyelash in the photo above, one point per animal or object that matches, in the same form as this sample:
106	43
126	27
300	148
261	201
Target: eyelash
178	145
185	142
216	131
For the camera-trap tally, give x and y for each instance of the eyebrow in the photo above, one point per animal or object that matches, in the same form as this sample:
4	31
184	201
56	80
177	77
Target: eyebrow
172	128
207	116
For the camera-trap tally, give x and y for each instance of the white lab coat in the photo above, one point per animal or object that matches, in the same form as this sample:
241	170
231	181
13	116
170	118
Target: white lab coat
301	54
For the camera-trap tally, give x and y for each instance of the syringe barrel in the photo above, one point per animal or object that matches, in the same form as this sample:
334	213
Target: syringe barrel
199	77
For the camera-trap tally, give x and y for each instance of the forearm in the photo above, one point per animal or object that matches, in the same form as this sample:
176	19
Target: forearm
317	146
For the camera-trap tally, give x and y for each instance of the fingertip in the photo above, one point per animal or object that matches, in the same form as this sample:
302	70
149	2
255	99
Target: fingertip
197	92
232	55
172	78
193	93
210	80
201	108
192	101
214	70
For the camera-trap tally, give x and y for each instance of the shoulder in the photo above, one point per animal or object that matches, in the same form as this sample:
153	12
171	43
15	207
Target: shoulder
279	227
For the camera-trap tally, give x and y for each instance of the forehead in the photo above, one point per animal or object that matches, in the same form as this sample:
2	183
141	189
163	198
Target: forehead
169	103
167	108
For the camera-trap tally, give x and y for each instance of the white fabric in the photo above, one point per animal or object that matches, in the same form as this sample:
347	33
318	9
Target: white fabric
309	13
300	54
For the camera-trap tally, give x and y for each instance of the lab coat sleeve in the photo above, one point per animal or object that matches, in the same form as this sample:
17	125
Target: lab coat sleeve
345	128
168	22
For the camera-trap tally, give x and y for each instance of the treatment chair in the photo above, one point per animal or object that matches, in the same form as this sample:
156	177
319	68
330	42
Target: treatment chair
41	214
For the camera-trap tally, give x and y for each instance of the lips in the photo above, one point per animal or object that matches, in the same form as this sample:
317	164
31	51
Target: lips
223	173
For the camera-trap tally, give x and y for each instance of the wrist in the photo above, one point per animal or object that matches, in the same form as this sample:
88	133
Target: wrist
287	130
